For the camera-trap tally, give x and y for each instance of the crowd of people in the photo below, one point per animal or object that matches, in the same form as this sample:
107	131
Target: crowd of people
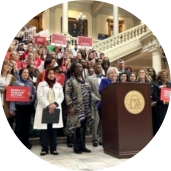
87	73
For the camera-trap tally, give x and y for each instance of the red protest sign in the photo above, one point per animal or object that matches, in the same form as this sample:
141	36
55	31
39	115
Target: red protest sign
17	93
60	78
58	40
85	41
40	40
165	94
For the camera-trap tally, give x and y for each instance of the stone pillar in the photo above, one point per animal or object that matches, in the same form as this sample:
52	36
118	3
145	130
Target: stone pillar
156	60
52	20
65	18
94	25
115	20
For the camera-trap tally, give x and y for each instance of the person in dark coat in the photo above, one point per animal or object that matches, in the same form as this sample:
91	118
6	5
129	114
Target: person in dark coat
152	74
161	106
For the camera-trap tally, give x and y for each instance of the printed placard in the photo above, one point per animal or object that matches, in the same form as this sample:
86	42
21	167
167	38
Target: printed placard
40	40
17	93
60	78
58	40
85	42
165	94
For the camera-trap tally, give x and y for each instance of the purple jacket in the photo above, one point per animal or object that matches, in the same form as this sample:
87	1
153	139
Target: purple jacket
104	83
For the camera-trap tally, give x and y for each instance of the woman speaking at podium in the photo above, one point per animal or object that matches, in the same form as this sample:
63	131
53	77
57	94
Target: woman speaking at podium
112	75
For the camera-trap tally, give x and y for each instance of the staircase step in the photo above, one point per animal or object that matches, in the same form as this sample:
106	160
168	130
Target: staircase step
60	140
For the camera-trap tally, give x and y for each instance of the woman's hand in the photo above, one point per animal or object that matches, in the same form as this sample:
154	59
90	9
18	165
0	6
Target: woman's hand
29	94
51	108
164	102
72	111
153	104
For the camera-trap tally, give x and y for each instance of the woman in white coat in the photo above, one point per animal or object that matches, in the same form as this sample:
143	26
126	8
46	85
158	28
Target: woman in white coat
49	95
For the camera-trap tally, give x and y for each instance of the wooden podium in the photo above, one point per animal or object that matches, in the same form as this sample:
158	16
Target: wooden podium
125	133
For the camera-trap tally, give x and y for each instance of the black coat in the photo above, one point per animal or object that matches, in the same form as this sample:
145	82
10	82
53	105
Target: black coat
160	110
147	82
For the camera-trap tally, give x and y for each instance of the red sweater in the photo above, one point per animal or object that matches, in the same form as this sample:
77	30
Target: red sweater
7	55
37	62
19	64
24	55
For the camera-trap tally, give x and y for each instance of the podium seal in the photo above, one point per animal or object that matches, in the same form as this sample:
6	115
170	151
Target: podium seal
134	102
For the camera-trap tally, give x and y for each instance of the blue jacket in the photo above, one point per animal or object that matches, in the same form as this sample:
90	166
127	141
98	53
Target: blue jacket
16	73
104	83
32	91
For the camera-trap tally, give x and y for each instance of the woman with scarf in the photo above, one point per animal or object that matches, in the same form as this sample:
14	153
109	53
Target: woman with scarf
49	95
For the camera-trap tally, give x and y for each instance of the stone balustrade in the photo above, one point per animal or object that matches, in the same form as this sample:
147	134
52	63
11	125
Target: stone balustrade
111	42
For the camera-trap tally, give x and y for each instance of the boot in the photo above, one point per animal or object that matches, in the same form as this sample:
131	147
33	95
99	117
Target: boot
75	141
78	138
69	142
82	140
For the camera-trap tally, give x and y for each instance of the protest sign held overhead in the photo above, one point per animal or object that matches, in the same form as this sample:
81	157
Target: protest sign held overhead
58	40
40	40
29	33
50	48
85	42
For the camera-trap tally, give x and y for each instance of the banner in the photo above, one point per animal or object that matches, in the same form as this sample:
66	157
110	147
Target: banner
85	42
40	40
60	78
165	94
58	40
17	93
29	33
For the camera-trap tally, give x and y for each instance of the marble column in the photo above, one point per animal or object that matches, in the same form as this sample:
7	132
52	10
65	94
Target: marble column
156	60
65	18
52	20
94	25
115	20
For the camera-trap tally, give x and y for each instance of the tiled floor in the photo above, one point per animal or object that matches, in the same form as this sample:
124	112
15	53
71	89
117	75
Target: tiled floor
96	160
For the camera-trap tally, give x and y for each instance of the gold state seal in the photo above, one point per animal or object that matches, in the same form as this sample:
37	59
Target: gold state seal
134	102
